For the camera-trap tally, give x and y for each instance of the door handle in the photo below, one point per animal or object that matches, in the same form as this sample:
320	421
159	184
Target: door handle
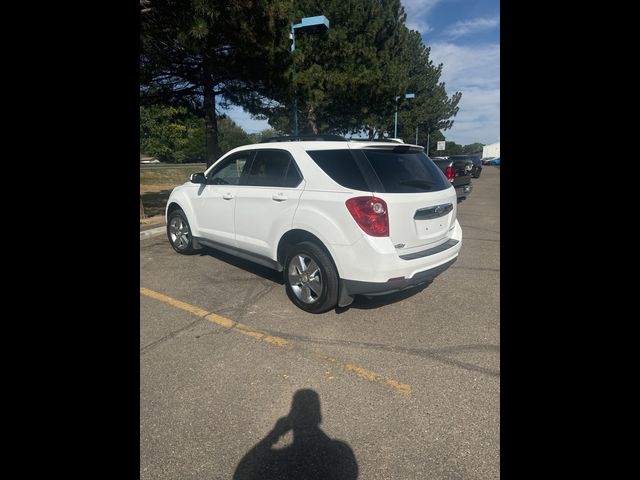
279	197
227	196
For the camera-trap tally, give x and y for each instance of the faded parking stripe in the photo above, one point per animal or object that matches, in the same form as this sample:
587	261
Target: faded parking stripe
360	372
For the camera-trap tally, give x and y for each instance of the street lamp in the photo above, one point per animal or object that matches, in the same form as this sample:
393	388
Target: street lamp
406	95
423	125
319	23
428	133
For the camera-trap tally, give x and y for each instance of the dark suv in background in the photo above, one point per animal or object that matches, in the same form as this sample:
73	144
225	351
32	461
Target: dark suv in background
476	163
458	172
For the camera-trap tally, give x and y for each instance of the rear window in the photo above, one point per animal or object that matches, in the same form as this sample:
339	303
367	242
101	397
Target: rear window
341	167
406	172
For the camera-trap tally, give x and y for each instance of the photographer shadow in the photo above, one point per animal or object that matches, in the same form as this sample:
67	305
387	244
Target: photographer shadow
312	454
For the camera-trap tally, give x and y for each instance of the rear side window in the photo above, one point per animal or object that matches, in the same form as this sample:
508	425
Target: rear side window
406	172
273	168
341	167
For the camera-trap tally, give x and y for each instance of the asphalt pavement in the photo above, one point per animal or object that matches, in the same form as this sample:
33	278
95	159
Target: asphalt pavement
405	386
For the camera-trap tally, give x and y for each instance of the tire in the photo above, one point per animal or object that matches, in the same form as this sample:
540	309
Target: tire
179	233
311	278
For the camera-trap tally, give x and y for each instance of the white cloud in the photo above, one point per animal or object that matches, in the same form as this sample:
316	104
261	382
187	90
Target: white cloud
417	11
474	71
468	27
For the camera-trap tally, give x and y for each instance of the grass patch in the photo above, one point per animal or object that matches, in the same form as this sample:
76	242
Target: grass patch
156	184
167	176
155	202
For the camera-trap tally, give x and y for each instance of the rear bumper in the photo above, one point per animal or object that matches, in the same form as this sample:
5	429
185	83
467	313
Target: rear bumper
463	190
392	273
354	287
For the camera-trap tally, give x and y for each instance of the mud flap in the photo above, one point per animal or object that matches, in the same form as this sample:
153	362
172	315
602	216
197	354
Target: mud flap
344	299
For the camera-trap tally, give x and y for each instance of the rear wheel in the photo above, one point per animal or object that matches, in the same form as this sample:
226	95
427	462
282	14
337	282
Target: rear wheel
179	233
311	278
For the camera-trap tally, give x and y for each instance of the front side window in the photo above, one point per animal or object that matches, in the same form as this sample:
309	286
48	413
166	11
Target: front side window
230	170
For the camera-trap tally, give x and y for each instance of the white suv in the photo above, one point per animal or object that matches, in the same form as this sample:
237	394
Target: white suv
339	217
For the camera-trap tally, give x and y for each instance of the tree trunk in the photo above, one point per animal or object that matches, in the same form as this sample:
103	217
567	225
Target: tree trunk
311	118
142	215
210	119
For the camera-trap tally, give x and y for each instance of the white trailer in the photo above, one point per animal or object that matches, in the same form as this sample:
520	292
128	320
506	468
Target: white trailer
491	150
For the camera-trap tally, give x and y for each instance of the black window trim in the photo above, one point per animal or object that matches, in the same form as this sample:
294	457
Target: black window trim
369	174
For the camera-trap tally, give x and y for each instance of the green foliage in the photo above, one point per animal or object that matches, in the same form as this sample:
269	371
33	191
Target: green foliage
230	135
195	50
234	48
346	79
171	134
431	109
174	135
264	134
473	148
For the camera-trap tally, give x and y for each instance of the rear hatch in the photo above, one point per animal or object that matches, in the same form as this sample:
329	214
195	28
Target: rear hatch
420	202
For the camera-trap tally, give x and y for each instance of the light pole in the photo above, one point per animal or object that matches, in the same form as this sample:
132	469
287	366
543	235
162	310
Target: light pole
319	23
423	125
406	95
428	132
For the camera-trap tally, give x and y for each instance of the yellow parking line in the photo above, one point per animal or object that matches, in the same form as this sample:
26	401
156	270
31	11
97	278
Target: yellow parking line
361	372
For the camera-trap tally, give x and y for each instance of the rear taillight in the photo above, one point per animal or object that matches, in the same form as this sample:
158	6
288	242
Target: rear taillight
370	213
450	173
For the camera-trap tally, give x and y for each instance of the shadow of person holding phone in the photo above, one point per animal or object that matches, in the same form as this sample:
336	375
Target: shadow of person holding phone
311	456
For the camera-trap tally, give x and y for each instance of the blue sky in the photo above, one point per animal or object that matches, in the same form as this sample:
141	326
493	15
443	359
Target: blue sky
464	35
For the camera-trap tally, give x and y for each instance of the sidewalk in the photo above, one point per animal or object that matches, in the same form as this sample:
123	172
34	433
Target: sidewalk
152	227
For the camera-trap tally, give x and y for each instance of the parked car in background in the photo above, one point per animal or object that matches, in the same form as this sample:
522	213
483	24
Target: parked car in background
458	172
486	160
495	161
477	167
475	163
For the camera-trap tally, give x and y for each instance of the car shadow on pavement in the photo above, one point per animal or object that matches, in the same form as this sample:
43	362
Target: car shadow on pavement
311	454
264	272
363	302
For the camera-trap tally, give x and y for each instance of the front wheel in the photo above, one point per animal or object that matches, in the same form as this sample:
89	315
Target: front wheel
311	278
179	233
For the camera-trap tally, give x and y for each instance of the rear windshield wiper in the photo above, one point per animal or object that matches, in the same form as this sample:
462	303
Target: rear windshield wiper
426	184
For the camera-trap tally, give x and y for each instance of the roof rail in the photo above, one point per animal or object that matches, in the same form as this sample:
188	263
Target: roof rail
387	140
306	138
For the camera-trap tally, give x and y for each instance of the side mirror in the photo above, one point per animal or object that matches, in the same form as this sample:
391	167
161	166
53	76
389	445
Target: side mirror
198	178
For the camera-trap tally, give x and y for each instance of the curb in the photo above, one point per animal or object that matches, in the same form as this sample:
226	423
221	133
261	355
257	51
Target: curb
154	232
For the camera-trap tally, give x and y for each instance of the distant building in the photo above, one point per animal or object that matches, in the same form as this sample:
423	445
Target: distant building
491	150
